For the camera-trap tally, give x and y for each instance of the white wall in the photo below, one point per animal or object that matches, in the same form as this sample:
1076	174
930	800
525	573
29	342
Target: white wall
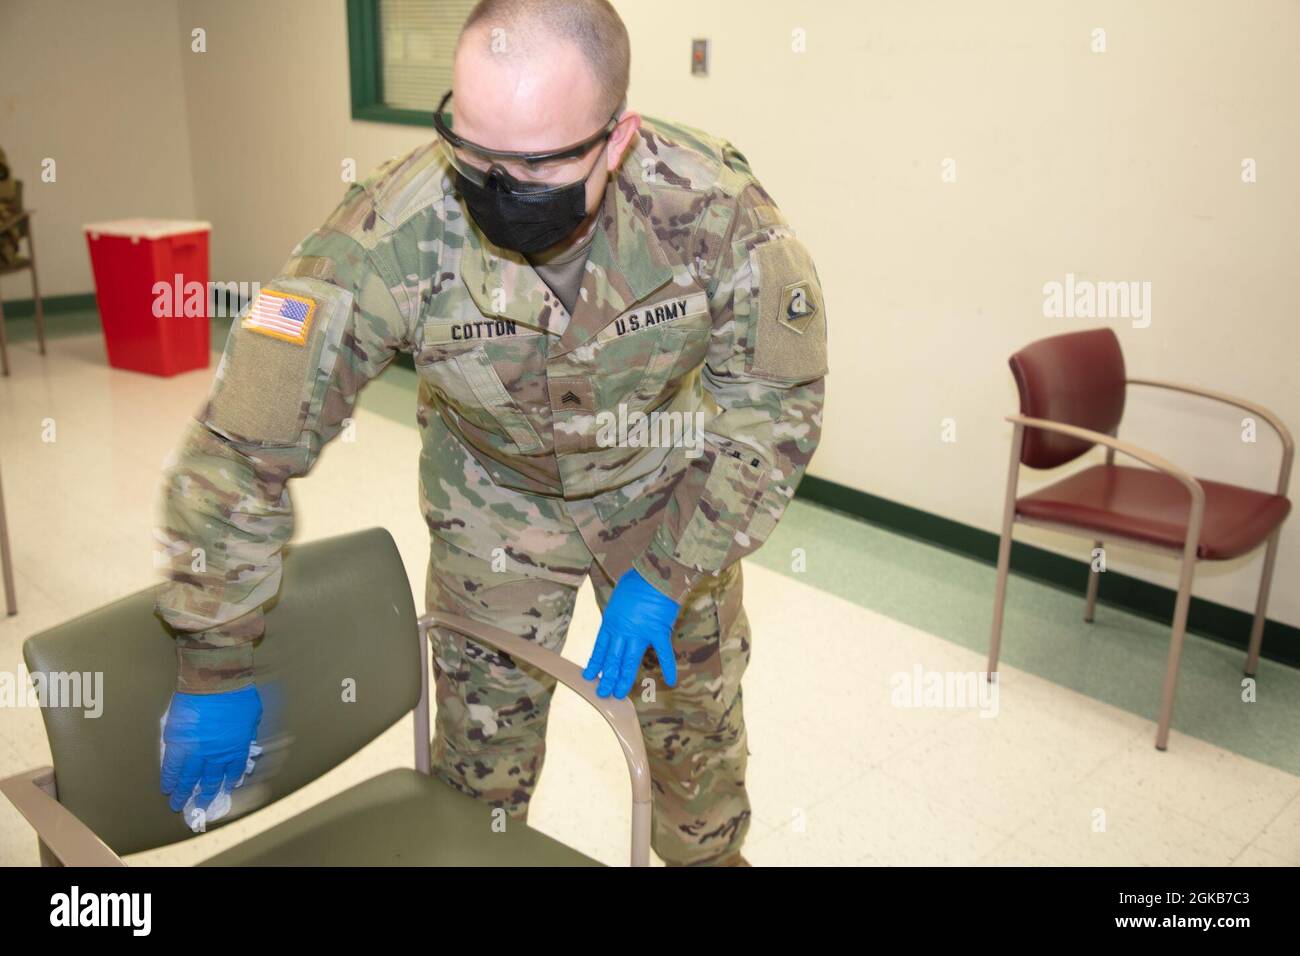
1123	165
97	88
270	123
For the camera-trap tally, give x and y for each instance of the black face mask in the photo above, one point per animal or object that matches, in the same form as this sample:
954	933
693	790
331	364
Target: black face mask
524	221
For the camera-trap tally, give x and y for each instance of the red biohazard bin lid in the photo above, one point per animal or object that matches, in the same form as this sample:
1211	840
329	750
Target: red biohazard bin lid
138	229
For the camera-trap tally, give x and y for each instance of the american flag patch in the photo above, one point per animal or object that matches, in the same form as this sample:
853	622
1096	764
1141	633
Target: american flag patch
281	316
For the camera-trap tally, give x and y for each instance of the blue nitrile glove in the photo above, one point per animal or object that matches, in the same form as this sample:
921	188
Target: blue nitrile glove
206	741
637	616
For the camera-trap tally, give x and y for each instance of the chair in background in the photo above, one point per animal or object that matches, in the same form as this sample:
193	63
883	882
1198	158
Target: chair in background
1072	392
22	221
344	613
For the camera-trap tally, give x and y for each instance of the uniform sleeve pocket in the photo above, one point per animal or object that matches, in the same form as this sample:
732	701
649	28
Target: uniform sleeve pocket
663	363
732	492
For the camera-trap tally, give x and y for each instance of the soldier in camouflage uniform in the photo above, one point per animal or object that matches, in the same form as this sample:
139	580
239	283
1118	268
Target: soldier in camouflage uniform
696	297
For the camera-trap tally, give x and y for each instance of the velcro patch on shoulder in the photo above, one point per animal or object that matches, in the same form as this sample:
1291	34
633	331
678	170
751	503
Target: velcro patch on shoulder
790	328
277	362
766	215
311	267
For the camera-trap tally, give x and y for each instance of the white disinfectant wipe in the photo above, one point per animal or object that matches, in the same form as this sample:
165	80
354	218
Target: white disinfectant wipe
195	818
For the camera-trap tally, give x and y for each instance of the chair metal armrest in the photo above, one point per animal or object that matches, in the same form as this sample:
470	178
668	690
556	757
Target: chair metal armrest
1288	445
1196	513
15	220
70	841
1128	448
620	714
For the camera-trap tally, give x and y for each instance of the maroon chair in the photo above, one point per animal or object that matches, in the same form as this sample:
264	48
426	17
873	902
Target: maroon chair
1072	391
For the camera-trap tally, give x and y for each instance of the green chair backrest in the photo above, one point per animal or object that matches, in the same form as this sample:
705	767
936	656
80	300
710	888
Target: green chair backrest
338	665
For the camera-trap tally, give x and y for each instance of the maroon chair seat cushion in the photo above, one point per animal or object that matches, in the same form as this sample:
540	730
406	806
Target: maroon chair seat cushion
1150	506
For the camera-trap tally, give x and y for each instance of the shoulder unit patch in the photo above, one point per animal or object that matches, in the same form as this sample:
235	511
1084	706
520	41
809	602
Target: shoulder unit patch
797	305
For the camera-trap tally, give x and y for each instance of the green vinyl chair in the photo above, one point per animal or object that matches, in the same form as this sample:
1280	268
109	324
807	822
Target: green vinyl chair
344	613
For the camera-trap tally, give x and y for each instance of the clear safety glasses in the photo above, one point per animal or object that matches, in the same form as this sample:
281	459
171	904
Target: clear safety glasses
524	172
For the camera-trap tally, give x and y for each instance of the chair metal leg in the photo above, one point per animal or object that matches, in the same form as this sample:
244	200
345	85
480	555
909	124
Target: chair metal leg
1094	579
1261	605
999	601
6	558
36	288
1004	550
4	342
1175	650
642	818
423	759
46	855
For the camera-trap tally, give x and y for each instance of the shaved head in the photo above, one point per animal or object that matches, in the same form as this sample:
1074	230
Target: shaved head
537	76
525	32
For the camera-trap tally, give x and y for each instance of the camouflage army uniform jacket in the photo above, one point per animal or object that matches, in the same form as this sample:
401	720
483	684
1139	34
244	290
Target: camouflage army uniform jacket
697	298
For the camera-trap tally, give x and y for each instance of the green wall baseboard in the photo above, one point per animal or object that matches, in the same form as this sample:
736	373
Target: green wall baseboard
1218	622
26	308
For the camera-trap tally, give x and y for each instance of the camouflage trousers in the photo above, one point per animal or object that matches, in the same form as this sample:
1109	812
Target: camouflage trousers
490	726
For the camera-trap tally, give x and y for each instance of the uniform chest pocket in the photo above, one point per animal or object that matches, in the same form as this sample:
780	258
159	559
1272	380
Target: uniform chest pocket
680	350
638	369
467	380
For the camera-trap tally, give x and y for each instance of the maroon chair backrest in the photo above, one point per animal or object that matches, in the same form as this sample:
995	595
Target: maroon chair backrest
1076	378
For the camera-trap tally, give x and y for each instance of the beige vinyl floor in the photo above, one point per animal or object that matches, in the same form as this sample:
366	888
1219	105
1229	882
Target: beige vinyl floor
840	772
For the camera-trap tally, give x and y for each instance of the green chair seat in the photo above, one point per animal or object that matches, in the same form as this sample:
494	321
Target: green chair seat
399	818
